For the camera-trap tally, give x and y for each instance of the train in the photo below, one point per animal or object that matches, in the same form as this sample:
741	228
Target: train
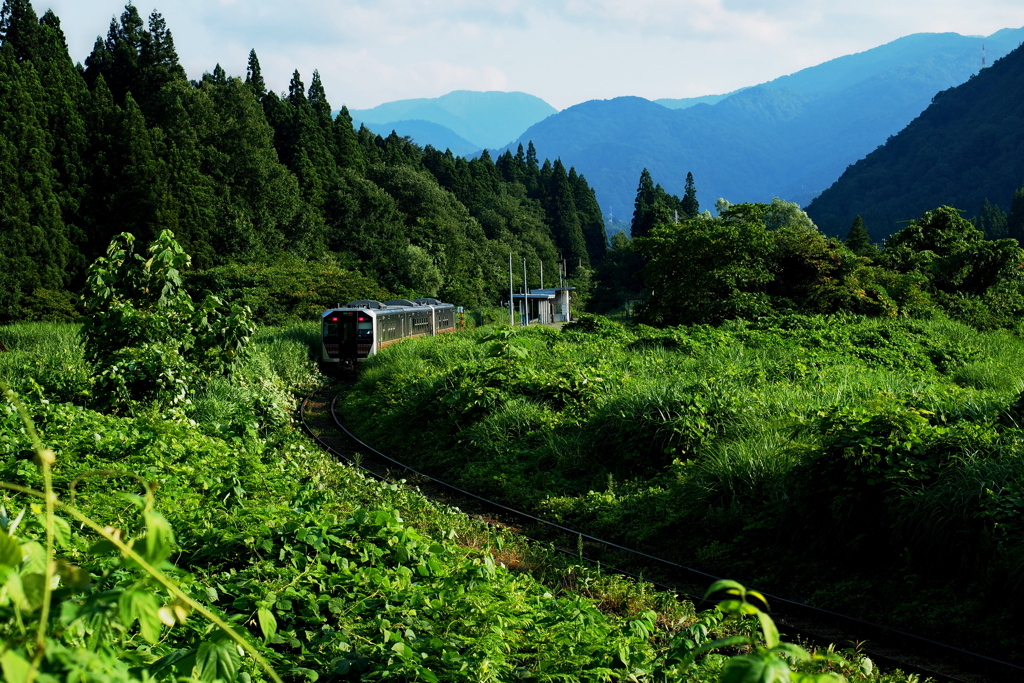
354	332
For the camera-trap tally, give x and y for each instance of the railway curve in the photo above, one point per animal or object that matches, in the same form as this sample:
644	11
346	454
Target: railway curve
888	647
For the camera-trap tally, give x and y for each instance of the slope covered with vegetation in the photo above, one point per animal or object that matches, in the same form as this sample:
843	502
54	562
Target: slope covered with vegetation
126	143
964	150
842	427
868	466
164	520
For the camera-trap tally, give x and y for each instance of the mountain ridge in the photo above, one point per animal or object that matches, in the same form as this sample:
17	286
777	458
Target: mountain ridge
487	119
962	150
790	137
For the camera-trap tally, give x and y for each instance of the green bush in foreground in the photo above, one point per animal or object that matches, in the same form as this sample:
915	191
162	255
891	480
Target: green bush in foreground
144	335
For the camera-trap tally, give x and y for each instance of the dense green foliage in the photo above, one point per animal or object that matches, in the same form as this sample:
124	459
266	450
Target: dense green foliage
246	179
317	571
144	336
757	259
845	458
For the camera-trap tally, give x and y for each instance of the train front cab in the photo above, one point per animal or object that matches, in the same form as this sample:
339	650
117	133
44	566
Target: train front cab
347	339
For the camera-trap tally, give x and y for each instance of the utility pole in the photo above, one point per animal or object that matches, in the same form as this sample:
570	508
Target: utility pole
526	301
511	300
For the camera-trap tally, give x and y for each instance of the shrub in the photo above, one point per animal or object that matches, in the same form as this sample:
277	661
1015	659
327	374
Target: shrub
145	337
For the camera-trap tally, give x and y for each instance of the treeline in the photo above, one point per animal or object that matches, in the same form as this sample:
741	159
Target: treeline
248	180
754	260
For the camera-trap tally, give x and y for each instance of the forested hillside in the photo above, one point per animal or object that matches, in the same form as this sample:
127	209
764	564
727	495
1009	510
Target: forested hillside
249	180
964	150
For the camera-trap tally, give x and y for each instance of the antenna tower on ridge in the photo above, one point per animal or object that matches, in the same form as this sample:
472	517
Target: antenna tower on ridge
983	55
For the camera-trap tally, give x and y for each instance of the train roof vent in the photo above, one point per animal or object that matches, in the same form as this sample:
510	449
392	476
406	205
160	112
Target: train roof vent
366	303
429	302
398	302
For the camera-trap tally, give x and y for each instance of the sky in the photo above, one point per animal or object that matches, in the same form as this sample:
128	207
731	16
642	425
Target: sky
564	51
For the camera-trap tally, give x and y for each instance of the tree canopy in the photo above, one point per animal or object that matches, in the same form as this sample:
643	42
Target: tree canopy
127	144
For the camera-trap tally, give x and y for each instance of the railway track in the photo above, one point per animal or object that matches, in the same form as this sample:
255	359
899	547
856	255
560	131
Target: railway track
887	647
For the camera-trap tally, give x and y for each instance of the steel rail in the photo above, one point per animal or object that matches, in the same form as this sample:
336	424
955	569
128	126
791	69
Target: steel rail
979	662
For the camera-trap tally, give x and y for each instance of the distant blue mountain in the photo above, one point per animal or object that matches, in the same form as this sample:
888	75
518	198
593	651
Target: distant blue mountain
426	133
791	137
687	102
485	119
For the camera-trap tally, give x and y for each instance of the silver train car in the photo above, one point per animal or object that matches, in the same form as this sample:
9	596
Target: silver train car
354	332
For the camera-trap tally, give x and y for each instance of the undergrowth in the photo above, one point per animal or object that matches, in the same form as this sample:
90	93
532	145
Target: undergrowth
175	527
805	453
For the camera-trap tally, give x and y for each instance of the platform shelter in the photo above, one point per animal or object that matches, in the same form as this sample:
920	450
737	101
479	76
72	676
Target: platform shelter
545	306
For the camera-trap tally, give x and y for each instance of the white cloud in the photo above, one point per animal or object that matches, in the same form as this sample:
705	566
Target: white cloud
566	51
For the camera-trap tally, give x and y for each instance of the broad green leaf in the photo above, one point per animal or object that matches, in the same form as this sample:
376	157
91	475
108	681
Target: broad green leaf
268	624
13	587
771	633
159	537
33	586
144	607
33	557
217	659
796	651
61	532
15	667
10	551
755	669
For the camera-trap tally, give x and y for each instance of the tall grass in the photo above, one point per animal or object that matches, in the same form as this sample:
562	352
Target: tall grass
49	354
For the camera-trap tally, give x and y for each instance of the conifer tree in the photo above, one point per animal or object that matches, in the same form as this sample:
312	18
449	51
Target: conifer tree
65	96
532	177
563	217
19	30
590	217
318	98
858	240
254	76
689	205
34	247
1015	219
158	62
297	91
124	40
123	173
346	145
643	206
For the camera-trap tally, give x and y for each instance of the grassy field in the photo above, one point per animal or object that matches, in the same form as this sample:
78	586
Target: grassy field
323	572
870	466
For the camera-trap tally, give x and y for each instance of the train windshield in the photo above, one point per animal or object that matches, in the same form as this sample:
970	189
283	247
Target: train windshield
339	329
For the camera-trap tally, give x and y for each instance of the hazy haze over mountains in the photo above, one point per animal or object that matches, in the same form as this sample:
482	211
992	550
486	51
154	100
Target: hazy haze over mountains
791	137
483	119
